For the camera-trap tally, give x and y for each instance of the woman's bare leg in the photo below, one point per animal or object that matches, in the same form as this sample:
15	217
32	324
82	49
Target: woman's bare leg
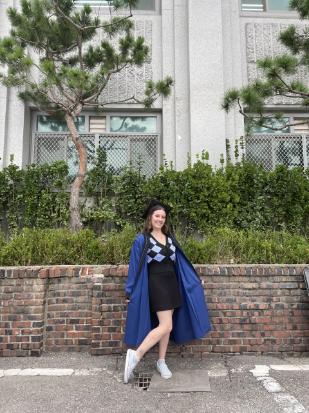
163	344
164	328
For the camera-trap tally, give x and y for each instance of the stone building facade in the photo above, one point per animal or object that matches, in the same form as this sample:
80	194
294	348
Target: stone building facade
207	46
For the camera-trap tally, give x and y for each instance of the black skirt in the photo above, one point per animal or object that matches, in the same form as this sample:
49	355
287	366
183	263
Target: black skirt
164	293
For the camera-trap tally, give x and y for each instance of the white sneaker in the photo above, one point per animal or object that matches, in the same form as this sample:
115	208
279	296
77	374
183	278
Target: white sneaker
163	369
131	363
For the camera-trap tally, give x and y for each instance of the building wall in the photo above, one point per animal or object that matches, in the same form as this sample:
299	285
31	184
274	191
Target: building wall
253	309
207	47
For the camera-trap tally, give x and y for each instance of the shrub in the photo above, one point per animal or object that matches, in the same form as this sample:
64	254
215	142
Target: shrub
34	197
52	246
220	246
202	198
225	246
117	246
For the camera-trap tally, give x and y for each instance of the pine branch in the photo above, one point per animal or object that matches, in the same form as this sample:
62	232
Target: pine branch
289	89
100	104
265	124
46	48
84	28
95	95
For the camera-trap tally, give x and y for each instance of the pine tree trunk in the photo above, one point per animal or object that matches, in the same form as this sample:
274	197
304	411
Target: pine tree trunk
75	220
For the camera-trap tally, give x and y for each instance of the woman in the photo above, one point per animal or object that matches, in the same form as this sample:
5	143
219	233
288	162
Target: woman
164	293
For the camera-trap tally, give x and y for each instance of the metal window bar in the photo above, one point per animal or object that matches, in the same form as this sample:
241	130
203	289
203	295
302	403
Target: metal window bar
140	151
253	6
270	150
94	3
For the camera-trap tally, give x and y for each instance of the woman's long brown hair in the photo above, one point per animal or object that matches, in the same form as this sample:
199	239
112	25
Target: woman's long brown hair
148	226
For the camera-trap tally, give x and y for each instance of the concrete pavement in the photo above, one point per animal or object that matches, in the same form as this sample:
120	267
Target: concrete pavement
78	382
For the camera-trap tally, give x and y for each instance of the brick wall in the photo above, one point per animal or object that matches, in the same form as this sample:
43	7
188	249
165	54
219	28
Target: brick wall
258	308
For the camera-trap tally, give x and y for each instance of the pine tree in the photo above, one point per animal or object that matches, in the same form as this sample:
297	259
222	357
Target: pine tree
52	57
278	79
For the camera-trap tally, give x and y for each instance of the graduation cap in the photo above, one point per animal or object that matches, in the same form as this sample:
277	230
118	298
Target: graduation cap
155	204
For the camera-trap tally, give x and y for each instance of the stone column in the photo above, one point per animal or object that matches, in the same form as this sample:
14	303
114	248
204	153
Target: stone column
234	49
168	68
182	87
4	29
13	110
207	123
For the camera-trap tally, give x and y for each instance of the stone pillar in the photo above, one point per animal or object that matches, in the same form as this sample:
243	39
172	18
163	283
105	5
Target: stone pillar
207	123
13	110
232	64
4	29
168	68
182	87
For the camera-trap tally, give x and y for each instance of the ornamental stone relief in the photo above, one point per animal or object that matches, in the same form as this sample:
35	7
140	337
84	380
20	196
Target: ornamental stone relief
262	41
131	81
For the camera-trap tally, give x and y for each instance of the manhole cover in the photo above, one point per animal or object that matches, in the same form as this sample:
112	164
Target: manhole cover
142	380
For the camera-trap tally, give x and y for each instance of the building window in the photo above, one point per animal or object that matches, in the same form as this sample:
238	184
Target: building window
265	5
273	123
141	4
126	140
140	124
289	147
50	124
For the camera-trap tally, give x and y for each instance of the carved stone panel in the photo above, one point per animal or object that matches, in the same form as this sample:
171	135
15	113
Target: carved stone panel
262	41
131	80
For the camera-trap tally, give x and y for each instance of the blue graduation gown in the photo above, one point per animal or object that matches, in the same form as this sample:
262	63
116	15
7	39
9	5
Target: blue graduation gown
190	321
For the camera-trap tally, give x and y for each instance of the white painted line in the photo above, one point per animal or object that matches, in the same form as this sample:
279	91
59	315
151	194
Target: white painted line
289	367
52	372
57	372
271	385
29	372
11	372
287	402
260	370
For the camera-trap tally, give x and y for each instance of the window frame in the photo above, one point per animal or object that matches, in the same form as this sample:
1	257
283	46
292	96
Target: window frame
291	116
34	122
107	115
305	136
104	10
266	11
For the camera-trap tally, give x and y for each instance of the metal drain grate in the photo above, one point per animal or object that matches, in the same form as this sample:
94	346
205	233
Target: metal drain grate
142	380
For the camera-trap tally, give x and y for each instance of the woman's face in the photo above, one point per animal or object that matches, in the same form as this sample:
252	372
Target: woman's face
158	219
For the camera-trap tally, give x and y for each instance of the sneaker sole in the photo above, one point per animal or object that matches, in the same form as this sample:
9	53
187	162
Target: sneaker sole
125	378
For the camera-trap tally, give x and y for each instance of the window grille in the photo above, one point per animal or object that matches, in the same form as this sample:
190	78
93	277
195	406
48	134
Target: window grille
141	152
270	150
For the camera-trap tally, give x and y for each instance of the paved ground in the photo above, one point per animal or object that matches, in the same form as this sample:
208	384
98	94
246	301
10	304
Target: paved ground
240	384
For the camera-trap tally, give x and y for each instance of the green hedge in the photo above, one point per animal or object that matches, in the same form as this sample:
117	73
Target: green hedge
223	245
52	246
240	196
